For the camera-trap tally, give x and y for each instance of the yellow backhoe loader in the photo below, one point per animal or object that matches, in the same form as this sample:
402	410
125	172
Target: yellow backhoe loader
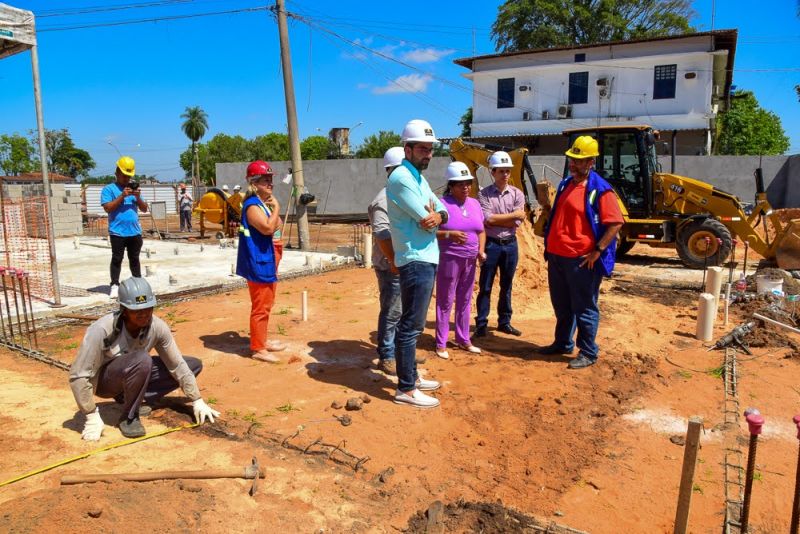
663	209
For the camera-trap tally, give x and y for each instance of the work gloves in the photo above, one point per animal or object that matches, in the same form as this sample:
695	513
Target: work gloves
203	411
93	428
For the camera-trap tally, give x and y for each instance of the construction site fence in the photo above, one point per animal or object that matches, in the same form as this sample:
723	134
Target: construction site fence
27	236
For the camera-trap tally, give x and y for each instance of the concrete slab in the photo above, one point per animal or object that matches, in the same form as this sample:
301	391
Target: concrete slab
83	269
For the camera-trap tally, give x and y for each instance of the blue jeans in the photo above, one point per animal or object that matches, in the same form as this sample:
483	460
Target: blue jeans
389	316
503	257
573	293
416	288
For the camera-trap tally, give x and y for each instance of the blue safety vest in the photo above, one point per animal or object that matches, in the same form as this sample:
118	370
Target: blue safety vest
255	260
596	186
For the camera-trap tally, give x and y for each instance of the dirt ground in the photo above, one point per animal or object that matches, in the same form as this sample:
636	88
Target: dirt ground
518	440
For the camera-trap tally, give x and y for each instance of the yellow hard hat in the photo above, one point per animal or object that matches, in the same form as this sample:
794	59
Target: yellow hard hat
126	165
584	147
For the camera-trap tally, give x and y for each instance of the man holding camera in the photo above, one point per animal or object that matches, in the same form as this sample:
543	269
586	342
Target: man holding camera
122	201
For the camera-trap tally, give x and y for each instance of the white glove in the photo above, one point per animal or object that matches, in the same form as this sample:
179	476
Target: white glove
203	411
93	428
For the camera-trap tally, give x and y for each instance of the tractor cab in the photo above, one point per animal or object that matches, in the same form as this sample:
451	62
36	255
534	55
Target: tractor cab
627	161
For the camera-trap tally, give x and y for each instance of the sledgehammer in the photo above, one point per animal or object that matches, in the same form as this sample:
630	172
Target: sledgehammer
252	471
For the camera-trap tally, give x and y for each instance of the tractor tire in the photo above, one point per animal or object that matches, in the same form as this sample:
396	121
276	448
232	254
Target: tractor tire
623	247
692	248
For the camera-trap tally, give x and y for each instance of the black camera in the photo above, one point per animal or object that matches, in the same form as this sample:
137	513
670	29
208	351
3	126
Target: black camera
133	185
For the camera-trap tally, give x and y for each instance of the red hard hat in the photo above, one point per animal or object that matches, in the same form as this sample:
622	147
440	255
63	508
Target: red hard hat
259	168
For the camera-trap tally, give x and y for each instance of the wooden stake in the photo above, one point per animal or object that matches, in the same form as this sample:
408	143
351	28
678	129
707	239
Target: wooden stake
687	474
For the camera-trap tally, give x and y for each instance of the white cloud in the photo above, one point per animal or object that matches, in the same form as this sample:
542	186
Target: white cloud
426	55
410	83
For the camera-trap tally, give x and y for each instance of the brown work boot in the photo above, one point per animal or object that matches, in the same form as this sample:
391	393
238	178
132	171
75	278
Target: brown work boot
265	356
388	367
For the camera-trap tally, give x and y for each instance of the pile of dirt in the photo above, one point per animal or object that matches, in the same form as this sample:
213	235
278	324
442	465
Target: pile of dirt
765	334
479	517
531	274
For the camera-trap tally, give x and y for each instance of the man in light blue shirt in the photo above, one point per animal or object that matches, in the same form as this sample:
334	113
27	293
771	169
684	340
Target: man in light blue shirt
414	215
122	201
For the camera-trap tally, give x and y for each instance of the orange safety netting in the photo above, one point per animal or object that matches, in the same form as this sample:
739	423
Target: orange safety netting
26	242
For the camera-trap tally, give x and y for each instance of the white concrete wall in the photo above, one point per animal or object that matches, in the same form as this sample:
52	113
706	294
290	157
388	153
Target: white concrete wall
150	193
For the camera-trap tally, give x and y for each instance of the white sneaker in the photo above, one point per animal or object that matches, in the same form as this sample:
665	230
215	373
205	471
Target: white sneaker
416	398
427	385
442	353
114	291
469	348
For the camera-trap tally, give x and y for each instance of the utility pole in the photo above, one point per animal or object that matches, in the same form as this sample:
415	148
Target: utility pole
291	118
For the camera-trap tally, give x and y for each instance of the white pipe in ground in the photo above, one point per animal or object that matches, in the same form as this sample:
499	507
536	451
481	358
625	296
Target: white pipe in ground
714	284
727	301
304	306
367	250
706	310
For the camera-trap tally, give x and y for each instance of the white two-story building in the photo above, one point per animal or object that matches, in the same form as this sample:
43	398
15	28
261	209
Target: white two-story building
676	84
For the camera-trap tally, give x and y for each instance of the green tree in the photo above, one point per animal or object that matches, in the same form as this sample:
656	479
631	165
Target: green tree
315	147
748	129
376	144
273	146
63	157
17	155
465	121
527	24
194	126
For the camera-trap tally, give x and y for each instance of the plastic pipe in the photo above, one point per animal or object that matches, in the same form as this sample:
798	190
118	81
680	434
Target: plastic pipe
714	283
368	250
705	317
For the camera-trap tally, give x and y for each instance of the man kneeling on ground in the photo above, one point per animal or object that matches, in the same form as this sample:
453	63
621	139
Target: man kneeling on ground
114	362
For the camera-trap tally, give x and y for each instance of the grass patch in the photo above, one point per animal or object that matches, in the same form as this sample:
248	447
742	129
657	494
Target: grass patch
251	418
717	372
288	407
73	345
281	330
64	335
211	400
684	374
758	475
697	489
284	311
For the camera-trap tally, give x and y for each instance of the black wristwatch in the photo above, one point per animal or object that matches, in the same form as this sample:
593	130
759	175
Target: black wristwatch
597	248
445	216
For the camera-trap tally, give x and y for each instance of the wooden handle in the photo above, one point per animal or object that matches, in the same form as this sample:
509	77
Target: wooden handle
160	475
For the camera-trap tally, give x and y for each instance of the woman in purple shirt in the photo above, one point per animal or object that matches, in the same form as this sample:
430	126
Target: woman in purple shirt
461	242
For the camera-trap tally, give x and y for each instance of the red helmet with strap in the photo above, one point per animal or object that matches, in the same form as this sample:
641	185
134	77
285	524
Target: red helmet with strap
259	168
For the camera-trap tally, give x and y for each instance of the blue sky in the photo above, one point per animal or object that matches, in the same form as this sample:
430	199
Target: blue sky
129	84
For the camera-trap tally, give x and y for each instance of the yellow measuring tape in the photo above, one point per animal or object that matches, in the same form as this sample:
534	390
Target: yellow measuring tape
91	453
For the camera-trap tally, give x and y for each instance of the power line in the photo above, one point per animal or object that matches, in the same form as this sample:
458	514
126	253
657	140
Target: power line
100	9
153	19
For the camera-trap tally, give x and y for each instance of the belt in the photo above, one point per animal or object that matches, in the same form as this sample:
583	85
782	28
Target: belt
504	241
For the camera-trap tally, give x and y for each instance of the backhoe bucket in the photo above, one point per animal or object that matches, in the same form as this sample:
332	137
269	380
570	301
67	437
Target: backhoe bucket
787	254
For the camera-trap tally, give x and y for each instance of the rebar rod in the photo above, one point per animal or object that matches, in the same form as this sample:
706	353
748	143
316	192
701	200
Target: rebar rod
8	305
30	306
20	276
795	524
13	276
754	424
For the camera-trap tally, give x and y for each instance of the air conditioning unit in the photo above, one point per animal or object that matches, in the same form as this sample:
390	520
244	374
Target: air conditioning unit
564	111
527	116
545	115
602	82
524	87
604	92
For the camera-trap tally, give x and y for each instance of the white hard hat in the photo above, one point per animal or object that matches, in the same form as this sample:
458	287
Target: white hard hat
237	187
457	172
393	157
225	187
500	160
418	131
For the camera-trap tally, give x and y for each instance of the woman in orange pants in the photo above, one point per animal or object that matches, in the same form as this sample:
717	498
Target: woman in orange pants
257	260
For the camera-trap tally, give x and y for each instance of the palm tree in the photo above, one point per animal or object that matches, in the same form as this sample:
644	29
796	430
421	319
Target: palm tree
195	127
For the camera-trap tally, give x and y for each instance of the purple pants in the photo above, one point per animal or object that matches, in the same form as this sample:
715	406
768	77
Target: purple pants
455	281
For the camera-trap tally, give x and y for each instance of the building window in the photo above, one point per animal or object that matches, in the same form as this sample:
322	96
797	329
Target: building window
505	93
578	87
664	81
580	58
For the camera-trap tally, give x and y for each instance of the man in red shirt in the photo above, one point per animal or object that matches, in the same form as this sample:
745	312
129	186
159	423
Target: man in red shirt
580	244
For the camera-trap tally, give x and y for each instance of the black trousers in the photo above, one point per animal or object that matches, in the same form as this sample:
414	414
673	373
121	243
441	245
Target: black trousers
136	377
119	245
